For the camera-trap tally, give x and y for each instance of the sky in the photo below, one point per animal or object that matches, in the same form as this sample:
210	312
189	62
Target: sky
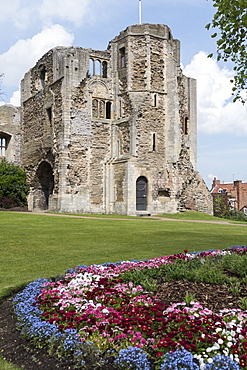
29	28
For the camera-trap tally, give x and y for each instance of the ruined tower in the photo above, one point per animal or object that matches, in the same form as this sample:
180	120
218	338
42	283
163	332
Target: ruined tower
112	131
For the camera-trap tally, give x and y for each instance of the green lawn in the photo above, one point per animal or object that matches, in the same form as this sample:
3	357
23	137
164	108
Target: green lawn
34	246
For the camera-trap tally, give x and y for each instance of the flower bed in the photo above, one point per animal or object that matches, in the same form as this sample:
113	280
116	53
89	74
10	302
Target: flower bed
92	315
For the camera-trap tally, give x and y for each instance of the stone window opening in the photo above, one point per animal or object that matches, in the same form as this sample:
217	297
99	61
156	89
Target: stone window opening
108	110
122	55
97	64
97	68
3	146
155	100
49	114
185	125
101	109
153	141
42	76
95	108
91	67
104	69
163	193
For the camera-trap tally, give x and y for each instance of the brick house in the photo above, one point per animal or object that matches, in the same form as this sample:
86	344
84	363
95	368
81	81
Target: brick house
234	194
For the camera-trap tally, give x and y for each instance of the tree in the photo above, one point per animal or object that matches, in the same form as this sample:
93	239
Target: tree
13	185
230	21
220	205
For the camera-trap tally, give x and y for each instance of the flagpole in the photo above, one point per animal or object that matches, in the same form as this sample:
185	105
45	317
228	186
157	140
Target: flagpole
140	12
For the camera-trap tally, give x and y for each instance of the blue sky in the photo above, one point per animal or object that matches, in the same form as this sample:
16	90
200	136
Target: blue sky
29	28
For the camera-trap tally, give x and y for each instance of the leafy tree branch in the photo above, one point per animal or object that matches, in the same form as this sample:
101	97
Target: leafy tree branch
230	23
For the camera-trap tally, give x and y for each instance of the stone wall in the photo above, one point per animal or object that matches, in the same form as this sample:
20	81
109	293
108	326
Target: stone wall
95	122
10	133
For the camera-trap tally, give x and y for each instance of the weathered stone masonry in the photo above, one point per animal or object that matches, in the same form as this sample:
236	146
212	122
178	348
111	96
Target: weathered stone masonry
112	131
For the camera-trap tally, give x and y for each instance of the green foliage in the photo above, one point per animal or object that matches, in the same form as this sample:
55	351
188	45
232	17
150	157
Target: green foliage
243	303
235	288
235	264
188	298
230	20
220	205
237	215
210	270
13	183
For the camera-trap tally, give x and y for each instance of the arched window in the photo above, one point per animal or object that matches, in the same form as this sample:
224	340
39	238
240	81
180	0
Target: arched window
95	108
104	69
102	109
108	110
91	67
122	56
97	65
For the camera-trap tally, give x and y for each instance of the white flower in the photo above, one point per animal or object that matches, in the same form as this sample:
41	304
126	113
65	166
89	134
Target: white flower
220	341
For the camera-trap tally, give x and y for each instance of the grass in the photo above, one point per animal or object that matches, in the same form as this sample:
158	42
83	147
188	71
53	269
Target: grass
34	246
192	215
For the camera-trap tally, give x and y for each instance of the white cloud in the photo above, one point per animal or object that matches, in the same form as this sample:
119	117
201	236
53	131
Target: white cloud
72	10
25	53
15	100
216	112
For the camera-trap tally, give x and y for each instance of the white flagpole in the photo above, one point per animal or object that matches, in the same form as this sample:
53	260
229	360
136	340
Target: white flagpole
140	12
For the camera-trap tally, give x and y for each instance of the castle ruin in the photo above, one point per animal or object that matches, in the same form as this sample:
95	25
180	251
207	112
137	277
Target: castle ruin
112	131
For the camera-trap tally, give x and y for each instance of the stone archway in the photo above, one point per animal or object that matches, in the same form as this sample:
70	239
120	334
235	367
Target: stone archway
44	184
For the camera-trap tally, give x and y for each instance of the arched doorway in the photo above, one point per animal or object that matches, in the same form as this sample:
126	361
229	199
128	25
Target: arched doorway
141	193
44	185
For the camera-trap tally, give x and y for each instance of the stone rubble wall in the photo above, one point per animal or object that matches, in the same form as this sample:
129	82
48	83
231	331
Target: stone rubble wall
10	130
96	135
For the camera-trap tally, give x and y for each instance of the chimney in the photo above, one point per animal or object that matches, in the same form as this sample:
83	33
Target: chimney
237	185
215	182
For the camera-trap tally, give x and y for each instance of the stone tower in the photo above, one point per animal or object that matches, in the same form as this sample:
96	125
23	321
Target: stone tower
112	131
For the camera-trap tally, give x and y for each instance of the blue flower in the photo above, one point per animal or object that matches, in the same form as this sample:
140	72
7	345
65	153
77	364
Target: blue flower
221	362
132	358
179	360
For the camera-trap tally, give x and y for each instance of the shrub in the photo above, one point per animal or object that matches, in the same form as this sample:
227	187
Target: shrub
12	185
237	215
9	202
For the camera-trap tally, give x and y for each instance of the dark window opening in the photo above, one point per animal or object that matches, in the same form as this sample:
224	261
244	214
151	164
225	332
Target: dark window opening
122	58
163	193
42	76
185	125
108	110
153	142
49	114
155	100
104	69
